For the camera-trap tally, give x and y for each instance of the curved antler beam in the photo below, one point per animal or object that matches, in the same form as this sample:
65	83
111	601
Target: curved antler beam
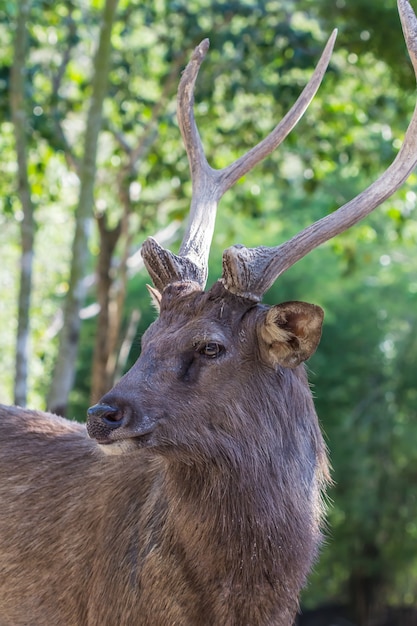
251	272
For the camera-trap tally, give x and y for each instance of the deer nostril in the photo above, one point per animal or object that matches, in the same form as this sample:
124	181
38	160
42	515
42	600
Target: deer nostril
110	415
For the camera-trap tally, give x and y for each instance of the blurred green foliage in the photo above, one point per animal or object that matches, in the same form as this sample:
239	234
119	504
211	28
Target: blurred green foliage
262	53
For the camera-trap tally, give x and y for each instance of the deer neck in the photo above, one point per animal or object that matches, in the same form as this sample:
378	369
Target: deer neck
234	540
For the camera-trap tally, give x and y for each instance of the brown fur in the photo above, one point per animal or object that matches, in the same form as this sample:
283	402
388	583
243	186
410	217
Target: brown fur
205	511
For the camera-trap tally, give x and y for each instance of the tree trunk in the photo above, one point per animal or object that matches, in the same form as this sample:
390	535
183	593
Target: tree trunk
111	290
366	589
102	375
27	228
64	373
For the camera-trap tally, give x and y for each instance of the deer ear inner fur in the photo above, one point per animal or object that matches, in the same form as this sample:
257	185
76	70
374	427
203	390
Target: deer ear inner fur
290	333
155	297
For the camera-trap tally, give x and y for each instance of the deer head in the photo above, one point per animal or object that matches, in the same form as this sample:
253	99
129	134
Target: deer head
228	326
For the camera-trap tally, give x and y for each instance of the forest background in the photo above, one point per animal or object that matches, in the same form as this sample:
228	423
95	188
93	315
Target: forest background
92	163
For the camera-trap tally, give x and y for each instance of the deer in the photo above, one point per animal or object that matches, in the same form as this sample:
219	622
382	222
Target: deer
193	495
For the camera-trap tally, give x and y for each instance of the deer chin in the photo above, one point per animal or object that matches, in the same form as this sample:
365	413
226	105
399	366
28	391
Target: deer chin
129	443
118	448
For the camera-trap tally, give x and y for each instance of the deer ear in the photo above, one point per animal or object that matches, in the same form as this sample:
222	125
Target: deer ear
155	297
290	333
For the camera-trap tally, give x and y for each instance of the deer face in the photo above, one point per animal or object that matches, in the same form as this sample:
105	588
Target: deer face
199	371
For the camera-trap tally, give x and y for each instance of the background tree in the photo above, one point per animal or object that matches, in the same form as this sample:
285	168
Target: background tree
18	92
63	376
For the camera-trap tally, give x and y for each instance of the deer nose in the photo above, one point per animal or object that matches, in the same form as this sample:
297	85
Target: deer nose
110	415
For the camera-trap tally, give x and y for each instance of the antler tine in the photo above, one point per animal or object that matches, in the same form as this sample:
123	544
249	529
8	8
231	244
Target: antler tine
250	272
185	113
208	184
245	163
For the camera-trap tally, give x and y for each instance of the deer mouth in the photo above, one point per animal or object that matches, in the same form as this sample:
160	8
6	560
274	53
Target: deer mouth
140	440
124	445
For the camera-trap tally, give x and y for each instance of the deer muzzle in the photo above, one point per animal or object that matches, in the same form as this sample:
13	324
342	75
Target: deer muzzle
108	424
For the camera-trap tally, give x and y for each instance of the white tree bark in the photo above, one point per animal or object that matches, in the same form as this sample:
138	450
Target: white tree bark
27	227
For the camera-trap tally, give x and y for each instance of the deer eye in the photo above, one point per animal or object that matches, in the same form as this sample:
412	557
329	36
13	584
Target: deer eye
211	349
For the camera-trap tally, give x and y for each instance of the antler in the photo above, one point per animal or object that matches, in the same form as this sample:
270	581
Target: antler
208	184
250	272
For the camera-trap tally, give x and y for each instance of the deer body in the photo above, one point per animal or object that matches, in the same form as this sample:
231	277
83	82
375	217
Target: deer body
210	517
193	498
